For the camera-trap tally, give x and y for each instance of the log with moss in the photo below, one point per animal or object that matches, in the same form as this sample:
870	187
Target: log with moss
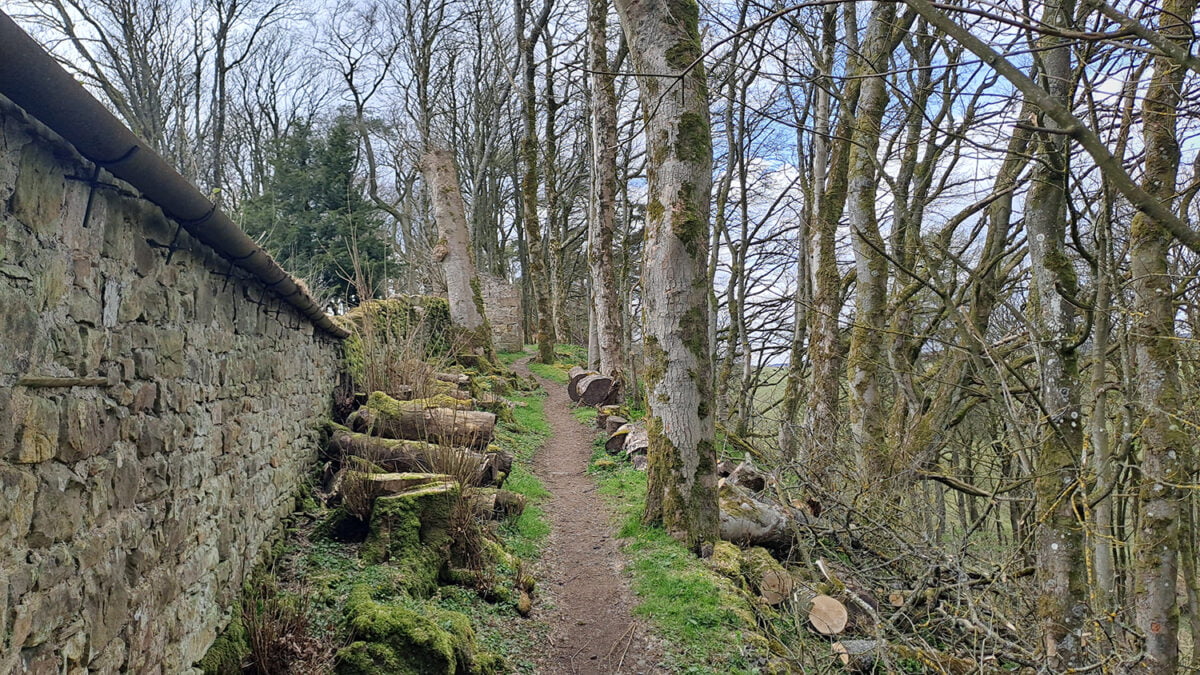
420	420
494	504
750	521
398	455
766	576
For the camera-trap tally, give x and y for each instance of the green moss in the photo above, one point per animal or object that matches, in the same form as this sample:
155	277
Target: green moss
693	141
687	222
410	531
394	638
654	210
226	655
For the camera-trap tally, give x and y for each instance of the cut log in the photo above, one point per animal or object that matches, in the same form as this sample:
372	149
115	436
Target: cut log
748	521
597	390
616	441
614	422
858	655
828	615
454	378
603	413
387	417
577	374
766	576
494	504
404	455
637	442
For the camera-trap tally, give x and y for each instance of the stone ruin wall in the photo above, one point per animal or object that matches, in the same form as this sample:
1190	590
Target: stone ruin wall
502	303
132	506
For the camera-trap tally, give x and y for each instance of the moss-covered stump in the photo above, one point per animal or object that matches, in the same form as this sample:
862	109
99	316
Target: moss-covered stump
411	531
414	420
397	638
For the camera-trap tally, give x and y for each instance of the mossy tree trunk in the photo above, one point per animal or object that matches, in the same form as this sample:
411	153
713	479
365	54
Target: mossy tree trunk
529	28
457	258
1061	572
1165	451
664	43
607	310
870	299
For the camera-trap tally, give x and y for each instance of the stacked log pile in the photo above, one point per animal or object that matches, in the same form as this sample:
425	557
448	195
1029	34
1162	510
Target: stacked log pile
390	447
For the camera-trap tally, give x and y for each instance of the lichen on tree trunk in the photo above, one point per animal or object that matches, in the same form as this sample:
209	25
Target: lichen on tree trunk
664	43
1165	451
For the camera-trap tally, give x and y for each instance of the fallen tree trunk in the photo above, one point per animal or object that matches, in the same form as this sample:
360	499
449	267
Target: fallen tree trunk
827	615
404	456
603	413
616	441
454	378
597	390
387	417
576	374
638	441
748	521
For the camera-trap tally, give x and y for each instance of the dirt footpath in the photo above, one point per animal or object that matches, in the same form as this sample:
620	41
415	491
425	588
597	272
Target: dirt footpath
584	597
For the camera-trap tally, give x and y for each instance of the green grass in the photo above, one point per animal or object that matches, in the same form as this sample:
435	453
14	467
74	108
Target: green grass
526	536
689	605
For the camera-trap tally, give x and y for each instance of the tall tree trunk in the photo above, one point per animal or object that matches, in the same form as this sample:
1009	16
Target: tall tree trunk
1165	451
664	43
1062	588
866	337
805	276
603	221
454	249
528	30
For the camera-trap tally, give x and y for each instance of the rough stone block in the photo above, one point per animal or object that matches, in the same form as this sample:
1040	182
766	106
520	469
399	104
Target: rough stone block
38	438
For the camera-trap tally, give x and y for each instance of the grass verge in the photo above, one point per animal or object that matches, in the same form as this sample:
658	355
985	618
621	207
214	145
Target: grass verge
689	605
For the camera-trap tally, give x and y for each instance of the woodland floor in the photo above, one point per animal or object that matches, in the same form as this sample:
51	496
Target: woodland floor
585	597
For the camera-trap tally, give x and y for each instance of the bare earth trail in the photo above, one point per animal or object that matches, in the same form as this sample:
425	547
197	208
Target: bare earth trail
585	599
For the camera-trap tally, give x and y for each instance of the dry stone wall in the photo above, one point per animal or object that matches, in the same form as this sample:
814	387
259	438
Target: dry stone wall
502	304
132	504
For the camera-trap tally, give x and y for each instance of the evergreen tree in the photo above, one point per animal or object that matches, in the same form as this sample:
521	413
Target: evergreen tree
314	216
